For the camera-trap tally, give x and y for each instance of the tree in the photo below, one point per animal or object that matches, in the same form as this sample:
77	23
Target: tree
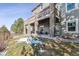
4	35
18	26
4	30
14	27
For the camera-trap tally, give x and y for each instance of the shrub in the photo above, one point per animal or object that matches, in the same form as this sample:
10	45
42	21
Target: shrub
20	49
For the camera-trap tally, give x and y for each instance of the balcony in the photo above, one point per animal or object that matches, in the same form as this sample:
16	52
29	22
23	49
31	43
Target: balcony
44	14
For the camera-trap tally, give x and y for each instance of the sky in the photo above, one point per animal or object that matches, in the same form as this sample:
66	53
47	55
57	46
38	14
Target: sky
9	12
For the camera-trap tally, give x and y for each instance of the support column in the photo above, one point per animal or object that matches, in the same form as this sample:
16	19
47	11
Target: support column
24	29
52	18
29	30
52	26
36	27
77	25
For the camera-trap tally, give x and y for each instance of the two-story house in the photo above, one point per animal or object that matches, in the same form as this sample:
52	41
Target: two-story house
45	21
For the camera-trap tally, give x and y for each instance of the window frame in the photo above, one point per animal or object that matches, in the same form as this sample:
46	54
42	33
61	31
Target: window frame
76	20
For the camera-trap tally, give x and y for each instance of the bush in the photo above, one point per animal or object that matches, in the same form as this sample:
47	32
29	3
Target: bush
20	49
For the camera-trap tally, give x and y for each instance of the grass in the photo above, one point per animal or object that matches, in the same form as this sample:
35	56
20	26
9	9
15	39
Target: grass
59	48
18	49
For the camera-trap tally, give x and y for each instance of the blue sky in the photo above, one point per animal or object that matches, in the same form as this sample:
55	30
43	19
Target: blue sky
9	12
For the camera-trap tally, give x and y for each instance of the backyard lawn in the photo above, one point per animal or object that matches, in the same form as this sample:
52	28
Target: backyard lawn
48	48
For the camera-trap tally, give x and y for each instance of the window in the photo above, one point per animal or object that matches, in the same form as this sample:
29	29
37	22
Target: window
72	26
70	6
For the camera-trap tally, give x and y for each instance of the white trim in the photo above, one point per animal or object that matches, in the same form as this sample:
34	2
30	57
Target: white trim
76	31
76	25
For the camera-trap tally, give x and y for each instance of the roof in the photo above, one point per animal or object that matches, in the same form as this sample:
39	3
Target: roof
29	20
36	7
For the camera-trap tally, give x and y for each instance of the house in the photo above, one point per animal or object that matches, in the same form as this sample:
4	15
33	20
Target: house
53	19
45	21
